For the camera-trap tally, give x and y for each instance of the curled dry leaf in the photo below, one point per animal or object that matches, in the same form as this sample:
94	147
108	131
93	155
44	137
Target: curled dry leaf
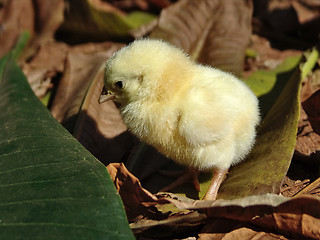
131	192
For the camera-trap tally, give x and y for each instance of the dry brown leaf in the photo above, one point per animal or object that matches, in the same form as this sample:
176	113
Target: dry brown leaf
41	20
213	32
47	20
299	217
308	142
82	63
312	107
270	214
98	127
46	64
227	229
131	192
15	16
174	226
38	17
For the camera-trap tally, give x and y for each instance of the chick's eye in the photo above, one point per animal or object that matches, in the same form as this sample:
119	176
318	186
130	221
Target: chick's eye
119	84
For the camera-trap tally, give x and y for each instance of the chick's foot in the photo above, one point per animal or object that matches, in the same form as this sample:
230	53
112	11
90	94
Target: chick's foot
218	177
190	174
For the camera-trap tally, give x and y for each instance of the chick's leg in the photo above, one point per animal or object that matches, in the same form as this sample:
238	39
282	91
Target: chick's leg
190	174
218	177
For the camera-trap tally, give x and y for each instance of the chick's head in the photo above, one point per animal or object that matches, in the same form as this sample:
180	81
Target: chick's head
136	72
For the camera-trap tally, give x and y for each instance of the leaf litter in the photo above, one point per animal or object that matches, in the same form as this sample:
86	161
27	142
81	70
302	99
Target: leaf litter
269	216
298	217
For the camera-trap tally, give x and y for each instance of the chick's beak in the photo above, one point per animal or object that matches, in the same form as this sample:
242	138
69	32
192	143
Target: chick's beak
106	96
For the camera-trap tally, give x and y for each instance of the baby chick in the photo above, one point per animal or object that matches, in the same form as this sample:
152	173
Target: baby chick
196	115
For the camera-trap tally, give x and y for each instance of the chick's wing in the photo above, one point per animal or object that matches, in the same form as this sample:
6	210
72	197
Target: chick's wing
204	118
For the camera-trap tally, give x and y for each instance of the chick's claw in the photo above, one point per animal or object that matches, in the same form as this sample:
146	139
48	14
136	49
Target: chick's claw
190	174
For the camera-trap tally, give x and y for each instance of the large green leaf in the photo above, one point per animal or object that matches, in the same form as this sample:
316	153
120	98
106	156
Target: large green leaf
50	186
265	167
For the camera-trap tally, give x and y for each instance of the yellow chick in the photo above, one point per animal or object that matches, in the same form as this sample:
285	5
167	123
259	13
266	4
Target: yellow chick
196	115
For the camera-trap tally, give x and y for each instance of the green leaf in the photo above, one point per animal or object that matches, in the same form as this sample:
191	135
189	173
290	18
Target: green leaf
311	59
21	43
268	85
50	186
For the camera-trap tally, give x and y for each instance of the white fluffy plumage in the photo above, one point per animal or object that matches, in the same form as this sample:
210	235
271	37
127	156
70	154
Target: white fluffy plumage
197	115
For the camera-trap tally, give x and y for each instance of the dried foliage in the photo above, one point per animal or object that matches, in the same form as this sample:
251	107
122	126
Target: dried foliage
263	41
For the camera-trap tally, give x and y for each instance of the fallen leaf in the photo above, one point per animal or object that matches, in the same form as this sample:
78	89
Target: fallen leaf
298	217
267	85
221	228
263	215
213	32
47	20
134	197
97	20
50	186
37	17
15	17
82	64
312	108
46	64
97	126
